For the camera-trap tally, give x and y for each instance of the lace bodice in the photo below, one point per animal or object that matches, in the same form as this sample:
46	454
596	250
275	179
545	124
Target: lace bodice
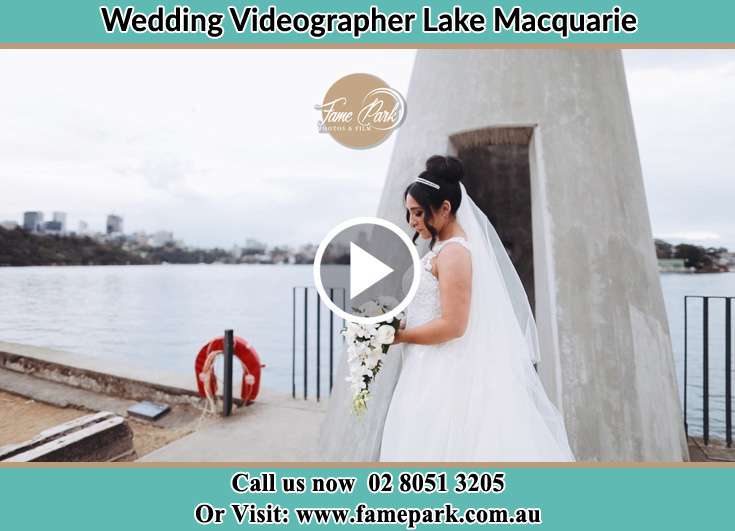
427	304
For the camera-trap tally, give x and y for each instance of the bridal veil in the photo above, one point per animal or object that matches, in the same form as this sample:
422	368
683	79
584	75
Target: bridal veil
500	410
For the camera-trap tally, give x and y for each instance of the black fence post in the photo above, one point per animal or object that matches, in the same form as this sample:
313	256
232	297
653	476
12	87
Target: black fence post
318	340
318	347
728	376
686	350
705	366
306	339
227	391
331	341
705	369
293	343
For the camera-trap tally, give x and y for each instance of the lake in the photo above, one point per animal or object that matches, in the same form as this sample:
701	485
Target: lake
153	317
158	317
675	287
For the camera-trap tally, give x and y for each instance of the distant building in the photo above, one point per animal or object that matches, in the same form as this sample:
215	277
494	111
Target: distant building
305	254
282	255
53	227
60	217
253	246
724	260
33	221
162	238
139	238
261	258
672	265
9	225
83	227
114	225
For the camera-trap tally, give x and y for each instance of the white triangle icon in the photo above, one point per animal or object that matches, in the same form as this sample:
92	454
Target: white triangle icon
365	270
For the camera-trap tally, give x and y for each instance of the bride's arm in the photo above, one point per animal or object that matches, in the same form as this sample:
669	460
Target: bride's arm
454	271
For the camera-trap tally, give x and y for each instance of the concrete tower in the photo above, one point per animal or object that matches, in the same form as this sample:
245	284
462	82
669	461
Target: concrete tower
550	153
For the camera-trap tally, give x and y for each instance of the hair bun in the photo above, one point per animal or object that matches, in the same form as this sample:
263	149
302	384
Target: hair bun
447	168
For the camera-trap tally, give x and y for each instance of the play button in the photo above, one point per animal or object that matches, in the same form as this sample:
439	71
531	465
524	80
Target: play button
366	270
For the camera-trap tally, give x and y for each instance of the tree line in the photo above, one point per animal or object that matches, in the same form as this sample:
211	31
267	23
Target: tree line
703	259
21	248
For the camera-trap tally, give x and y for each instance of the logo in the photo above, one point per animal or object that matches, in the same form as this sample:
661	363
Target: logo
360	111
382	265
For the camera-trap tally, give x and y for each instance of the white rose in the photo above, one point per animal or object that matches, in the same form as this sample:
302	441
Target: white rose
351	352
375	341
373	358
355	364
386	334
363	347
357	350
370	309
364	371
355	330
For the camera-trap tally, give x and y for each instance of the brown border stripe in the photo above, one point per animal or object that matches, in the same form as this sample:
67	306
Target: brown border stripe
316	464
346	464
316	45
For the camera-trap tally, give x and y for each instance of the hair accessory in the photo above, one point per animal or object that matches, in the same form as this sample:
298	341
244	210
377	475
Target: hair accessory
427	183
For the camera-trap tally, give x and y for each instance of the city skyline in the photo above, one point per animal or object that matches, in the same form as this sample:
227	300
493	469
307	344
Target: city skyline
218	164
33	221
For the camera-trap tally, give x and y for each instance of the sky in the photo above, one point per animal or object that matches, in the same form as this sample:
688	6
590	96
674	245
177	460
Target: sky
683	105
221	145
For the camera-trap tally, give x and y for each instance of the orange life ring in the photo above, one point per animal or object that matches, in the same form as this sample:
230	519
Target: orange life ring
250	363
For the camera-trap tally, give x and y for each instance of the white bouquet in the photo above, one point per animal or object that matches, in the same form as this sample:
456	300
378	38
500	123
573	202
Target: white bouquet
367	346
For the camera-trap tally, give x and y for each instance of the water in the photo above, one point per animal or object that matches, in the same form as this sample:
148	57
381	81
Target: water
675	287
156	318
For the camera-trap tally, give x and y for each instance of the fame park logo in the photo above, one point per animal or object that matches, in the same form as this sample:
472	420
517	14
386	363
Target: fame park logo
360	111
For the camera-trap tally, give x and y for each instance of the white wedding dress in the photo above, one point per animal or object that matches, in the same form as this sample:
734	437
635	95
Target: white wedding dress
444	410
474	398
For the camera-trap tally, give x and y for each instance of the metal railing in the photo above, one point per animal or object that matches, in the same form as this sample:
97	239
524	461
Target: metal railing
706	365
311	298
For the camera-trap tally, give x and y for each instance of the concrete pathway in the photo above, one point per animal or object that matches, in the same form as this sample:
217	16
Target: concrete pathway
62	395
716	451
274	428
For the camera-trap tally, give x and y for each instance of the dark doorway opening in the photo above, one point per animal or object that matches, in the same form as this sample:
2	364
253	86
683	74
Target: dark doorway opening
498	178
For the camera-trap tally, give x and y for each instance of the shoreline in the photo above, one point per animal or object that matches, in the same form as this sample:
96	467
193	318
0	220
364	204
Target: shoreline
106	377
79	370
162	264
273	427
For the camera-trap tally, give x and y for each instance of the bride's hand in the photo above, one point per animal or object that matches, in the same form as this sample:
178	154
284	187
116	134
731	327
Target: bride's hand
397	337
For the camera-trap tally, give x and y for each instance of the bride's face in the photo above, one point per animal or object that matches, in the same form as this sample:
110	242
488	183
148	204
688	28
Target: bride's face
417	218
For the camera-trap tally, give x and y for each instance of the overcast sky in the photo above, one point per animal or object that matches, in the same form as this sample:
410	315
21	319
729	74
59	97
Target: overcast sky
219	146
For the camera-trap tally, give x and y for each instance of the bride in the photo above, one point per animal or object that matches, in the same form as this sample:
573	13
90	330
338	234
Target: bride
467	389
